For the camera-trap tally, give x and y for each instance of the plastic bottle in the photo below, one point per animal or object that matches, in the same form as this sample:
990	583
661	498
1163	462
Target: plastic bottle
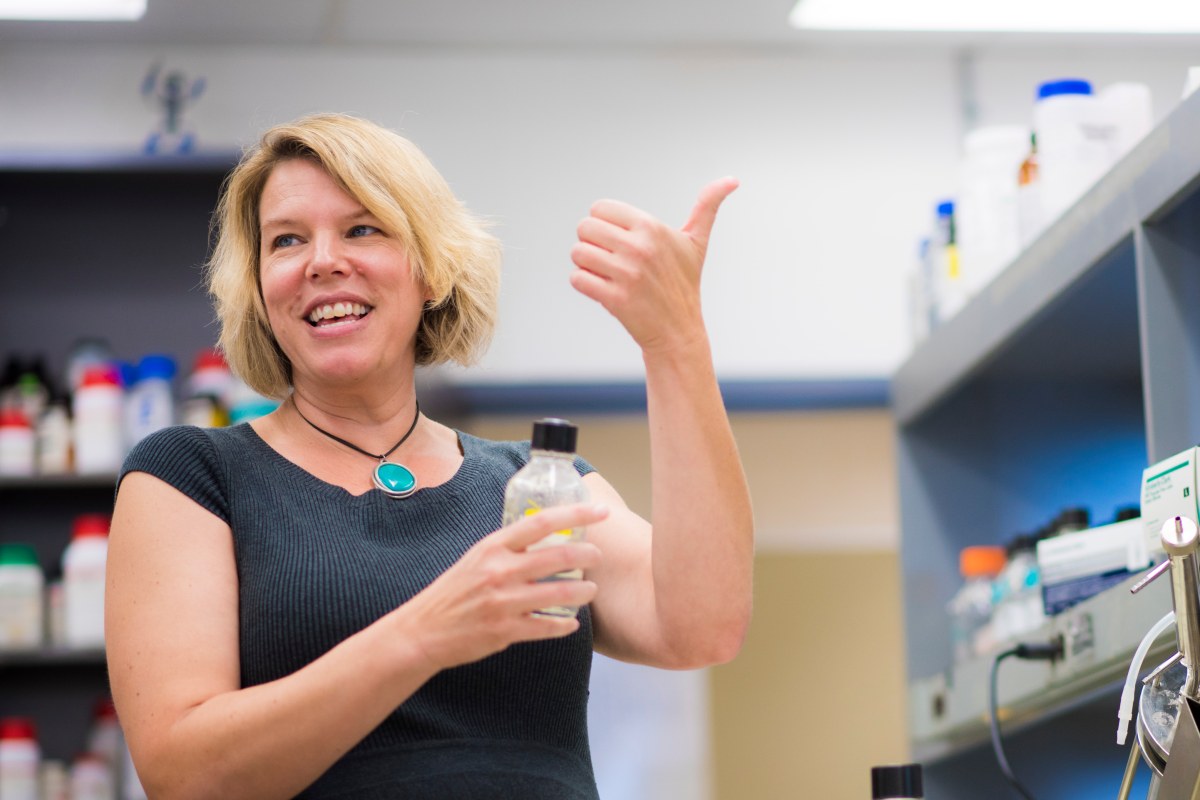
17	451
950	289
1018	596
97	405
971	607
21	587
1031	217
549	479
56	780
1130	110
207	398
1074	142
104	735
20	759
150	402
920	293
986	225
83	581
85	354
903	782
91	778
32	389
53	434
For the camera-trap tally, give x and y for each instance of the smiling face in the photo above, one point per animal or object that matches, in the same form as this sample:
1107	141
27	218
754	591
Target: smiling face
339	290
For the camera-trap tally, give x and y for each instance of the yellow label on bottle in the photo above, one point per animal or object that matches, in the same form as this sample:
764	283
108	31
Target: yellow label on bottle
564	534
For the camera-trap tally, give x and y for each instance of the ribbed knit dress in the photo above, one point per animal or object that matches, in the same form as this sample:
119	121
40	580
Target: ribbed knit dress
316	564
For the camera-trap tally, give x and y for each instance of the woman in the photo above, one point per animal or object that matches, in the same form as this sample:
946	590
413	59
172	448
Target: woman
280	621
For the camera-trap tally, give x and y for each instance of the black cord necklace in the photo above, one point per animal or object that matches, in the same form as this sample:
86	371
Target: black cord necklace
394	480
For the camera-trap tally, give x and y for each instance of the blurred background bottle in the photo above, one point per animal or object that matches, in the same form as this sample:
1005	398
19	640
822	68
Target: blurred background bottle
972	606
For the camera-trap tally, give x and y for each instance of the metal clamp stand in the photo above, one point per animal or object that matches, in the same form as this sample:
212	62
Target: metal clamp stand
1168	724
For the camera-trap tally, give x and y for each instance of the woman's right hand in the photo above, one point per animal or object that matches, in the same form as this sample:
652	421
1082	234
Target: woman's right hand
485	601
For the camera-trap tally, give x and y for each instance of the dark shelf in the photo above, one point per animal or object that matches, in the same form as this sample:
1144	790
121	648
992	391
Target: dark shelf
51	657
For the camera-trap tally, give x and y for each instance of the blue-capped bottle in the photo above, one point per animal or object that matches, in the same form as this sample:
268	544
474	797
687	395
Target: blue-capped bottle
150	401
549	479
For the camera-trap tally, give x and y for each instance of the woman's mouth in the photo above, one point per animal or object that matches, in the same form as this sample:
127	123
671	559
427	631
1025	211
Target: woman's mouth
336	314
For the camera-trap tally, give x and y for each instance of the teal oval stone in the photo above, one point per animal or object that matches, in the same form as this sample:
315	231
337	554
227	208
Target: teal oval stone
395	479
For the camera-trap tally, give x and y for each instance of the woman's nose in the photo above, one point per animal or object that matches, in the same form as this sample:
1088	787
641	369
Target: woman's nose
326	257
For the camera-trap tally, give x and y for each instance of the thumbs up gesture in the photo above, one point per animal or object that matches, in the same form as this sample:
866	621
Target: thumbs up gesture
646	273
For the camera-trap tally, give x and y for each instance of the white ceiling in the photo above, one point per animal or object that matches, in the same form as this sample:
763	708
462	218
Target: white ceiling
485	23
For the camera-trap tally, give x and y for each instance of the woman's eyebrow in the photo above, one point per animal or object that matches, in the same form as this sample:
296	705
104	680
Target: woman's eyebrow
288	222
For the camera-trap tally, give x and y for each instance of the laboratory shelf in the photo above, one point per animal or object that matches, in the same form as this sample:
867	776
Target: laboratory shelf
1142	187
949	712
59	482
104	244
1054	387
51	657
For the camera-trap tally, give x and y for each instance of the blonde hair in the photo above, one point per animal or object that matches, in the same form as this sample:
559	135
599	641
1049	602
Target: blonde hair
449	249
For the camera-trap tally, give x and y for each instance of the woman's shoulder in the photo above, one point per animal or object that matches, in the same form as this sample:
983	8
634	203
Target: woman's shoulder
499	450
177	440
191	459
509	453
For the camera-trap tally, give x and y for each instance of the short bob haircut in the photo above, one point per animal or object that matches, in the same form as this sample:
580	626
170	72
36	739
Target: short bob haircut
449	249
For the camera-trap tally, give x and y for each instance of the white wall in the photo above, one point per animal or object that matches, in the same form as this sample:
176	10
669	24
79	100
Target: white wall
841	154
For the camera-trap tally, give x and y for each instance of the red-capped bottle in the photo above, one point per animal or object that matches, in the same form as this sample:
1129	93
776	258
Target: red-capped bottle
20	759
83	581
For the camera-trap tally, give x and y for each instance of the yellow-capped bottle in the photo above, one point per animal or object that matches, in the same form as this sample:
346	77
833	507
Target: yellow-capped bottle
549	479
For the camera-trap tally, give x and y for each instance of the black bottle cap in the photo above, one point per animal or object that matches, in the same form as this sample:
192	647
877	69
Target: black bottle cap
895	782
554	434
1076	518
1128	512
1024	541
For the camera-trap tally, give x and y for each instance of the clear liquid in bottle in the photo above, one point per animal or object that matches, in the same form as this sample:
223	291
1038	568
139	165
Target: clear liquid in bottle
549	479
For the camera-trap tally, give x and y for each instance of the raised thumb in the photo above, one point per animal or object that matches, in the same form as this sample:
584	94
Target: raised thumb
704	213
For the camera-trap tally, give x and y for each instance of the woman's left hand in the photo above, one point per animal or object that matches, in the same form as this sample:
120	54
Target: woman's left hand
645	273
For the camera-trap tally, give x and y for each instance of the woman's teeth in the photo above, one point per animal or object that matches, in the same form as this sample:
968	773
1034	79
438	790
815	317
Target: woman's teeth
336	311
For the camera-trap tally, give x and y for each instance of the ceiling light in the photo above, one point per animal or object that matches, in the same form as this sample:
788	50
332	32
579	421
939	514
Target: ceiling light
128	10
1018	16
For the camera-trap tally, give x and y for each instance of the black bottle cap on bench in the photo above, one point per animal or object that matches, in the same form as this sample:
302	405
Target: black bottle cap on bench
896	782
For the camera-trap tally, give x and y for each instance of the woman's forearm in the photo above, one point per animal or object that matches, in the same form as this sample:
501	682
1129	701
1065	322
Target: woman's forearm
274	739
703	540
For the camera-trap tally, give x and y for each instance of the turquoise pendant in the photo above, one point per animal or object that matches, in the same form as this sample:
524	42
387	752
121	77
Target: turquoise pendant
394	480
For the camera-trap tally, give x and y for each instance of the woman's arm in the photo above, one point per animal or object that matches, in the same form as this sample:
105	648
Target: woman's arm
681	596
172	638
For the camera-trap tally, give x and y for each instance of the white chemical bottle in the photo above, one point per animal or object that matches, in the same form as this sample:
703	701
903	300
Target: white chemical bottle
20	598
20	759
97	405
16	443
83	581
91	778
549	479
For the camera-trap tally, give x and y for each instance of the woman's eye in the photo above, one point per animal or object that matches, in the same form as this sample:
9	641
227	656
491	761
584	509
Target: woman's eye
363	230
285	240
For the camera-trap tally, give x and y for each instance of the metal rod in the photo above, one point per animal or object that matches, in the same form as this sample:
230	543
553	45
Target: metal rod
1135	755
1150	576
1180	538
